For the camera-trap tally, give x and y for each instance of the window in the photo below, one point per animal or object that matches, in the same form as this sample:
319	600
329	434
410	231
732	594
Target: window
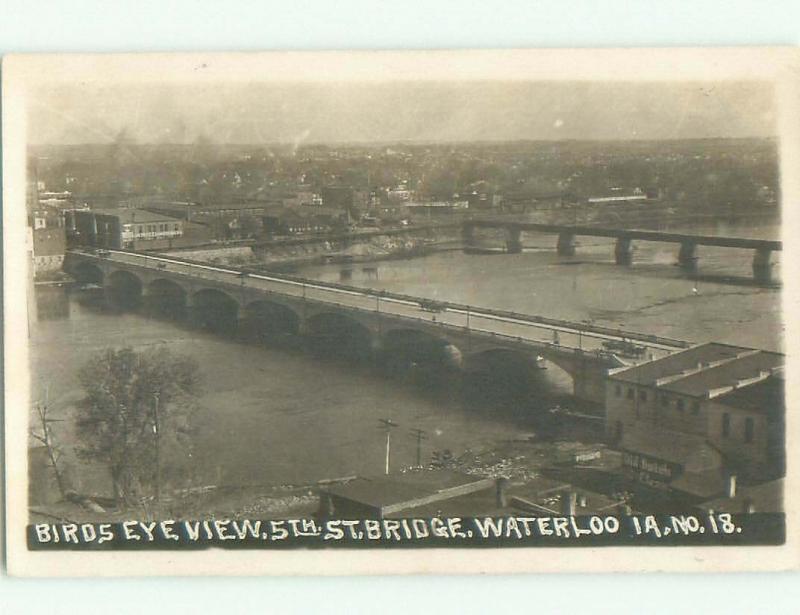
618	390
681	405
643	395
630	393
749	429
726	425
695	408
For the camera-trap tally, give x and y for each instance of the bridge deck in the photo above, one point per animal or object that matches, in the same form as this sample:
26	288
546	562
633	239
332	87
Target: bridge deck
508	325
657	236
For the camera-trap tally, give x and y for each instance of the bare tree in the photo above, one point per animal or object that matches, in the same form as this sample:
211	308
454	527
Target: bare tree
45	436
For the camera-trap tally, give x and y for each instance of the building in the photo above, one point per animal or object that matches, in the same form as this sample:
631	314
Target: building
291	221
521	201
435	493
56	199
45	216
480	195
638	196
433	207
633	198
692	419
49	246
121	228
400	193
302	198
400	494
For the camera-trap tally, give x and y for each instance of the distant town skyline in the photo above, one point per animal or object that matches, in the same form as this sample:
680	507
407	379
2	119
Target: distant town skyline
392	112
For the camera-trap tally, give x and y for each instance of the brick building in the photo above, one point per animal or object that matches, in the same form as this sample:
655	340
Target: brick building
120	228
700	414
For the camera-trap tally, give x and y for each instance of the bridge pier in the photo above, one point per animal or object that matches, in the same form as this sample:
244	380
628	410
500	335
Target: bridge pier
513	240
623	251
762	265
566	244
589	383
468	236
687	256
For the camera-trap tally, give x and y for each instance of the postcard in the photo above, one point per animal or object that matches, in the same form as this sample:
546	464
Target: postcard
339	313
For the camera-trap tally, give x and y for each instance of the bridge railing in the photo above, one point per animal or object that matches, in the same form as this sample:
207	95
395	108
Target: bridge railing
299	283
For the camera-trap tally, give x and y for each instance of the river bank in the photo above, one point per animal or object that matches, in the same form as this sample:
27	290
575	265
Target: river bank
519	460
285	256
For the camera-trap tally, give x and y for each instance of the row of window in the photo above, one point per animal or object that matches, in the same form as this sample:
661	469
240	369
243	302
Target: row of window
154	228
663	399
680	405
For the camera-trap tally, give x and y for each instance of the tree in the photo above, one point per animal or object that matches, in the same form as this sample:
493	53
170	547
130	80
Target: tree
45	436
138	406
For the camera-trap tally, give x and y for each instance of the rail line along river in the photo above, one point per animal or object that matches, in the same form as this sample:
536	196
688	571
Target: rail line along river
289	417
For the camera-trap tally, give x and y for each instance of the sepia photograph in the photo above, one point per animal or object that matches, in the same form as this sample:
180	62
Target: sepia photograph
398	304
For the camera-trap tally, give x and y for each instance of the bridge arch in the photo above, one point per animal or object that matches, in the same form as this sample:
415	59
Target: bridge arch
124	290
513	379
87	273
339	335
418	348
215	310
167	298
269	321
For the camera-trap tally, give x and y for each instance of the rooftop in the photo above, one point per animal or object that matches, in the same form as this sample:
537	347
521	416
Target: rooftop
767	393
708	370
762	497
408	490
127	216
646	374
234	206
735	373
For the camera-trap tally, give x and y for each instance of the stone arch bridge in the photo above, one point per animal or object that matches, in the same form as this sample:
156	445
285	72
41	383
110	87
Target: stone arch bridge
358	319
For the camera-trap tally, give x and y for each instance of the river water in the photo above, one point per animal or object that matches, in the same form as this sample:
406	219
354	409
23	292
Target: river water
272	416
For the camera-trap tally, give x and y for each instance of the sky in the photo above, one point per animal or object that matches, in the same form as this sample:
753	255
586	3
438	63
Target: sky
392	111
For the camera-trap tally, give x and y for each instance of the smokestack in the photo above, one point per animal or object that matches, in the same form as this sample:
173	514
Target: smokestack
502	485
568	500
730	486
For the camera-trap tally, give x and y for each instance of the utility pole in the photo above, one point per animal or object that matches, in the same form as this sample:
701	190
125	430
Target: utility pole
419	434
388	425
469	332
157	457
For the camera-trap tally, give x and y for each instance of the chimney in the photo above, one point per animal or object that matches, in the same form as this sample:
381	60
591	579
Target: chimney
730	486
568	499
501	498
